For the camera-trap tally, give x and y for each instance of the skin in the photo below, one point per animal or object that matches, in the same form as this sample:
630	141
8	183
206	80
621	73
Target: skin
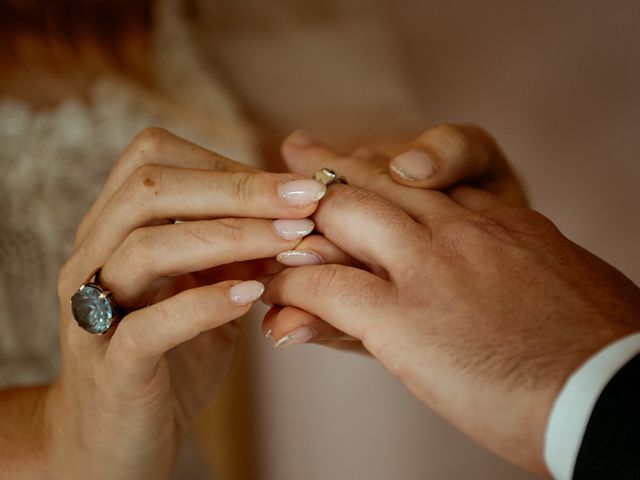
123	399
148	380
482	309
448	324
464	154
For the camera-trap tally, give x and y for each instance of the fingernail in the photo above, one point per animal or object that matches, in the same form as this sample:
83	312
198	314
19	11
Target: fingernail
302	192
298	258
298	336
293	229
246	292
414	165
269	334
301	138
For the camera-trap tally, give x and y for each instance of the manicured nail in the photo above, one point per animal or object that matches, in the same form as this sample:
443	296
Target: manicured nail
293	229
246	292
269	334
302	192
298	336
298	258
414	165
301	138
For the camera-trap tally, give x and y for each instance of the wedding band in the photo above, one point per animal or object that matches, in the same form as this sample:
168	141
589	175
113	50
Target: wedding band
327	176
93	306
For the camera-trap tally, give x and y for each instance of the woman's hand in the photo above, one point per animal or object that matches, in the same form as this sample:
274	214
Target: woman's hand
122	399
452	155
481	309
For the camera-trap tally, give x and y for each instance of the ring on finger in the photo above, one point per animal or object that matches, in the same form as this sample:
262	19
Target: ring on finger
93	306
327	176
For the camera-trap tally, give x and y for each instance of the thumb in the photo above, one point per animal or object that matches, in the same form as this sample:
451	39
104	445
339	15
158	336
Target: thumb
448	154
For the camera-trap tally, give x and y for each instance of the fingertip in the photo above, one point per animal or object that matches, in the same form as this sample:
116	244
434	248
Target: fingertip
269	321
245	293
302	334
299	138
414	167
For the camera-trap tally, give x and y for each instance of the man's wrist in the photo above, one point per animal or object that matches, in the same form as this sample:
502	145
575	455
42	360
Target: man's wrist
574	404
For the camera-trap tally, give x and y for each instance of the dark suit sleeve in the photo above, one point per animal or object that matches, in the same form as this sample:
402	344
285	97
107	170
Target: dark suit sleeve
611	445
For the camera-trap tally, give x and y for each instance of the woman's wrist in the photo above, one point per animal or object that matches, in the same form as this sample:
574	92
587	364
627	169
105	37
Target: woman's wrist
24	443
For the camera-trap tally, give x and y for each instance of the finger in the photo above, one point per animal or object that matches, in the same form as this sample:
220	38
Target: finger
143	336
292	326
305	156
314	250
156	146
365	152
152	253
372	230
347	298
475	199
450	154
268	321
163	193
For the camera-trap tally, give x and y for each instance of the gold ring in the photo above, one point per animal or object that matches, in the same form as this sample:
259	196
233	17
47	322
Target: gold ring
327	176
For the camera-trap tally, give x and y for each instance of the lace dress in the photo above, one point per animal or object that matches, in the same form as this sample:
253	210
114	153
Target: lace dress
54	163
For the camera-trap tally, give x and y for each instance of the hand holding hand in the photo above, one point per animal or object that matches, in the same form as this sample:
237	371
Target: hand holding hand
122	399
481	309
454	155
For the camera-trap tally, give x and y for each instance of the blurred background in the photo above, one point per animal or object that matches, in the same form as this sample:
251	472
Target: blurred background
556	82
558	85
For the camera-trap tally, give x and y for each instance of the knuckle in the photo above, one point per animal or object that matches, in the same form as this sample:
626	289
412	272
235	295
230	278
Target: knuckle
138	250
368	205
144	183
359	196
148	142
462	141
324	280
452	135
481	136
451	130
133	260
144	147
232	229
532	222
241	185
147	172
470	231
484	224
140	239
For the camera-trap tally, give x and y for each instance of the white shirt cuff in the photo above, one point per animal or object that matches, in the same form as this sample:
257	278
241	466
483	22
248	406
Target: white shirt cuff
573	406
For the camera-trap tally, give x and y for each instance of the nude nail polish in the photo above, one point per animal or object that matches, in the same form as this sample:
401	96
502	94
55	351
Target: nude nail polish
299	258
302	192
246	292
298	336
414	165
293	229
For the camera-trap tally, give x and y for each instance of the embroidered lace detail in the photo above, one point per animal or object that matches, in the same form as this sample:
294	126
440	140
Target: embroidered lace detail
54	163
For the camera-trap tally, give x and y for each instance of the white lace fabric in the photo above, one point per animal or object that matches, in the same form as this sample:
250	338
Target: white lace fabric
54	162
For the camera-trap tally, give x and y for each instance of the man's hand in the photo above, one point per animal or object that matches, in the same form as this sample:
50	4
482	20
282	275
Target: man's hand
453	155
482	310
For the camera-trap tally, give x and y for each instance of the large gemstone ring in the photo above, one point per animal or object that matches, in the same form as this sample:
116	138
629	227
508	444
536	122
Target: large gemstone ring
94	307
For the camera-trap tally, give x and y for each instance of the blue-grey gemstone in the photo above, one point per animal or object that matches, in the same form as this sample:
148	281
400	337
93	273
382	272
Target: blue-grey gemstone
92	311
